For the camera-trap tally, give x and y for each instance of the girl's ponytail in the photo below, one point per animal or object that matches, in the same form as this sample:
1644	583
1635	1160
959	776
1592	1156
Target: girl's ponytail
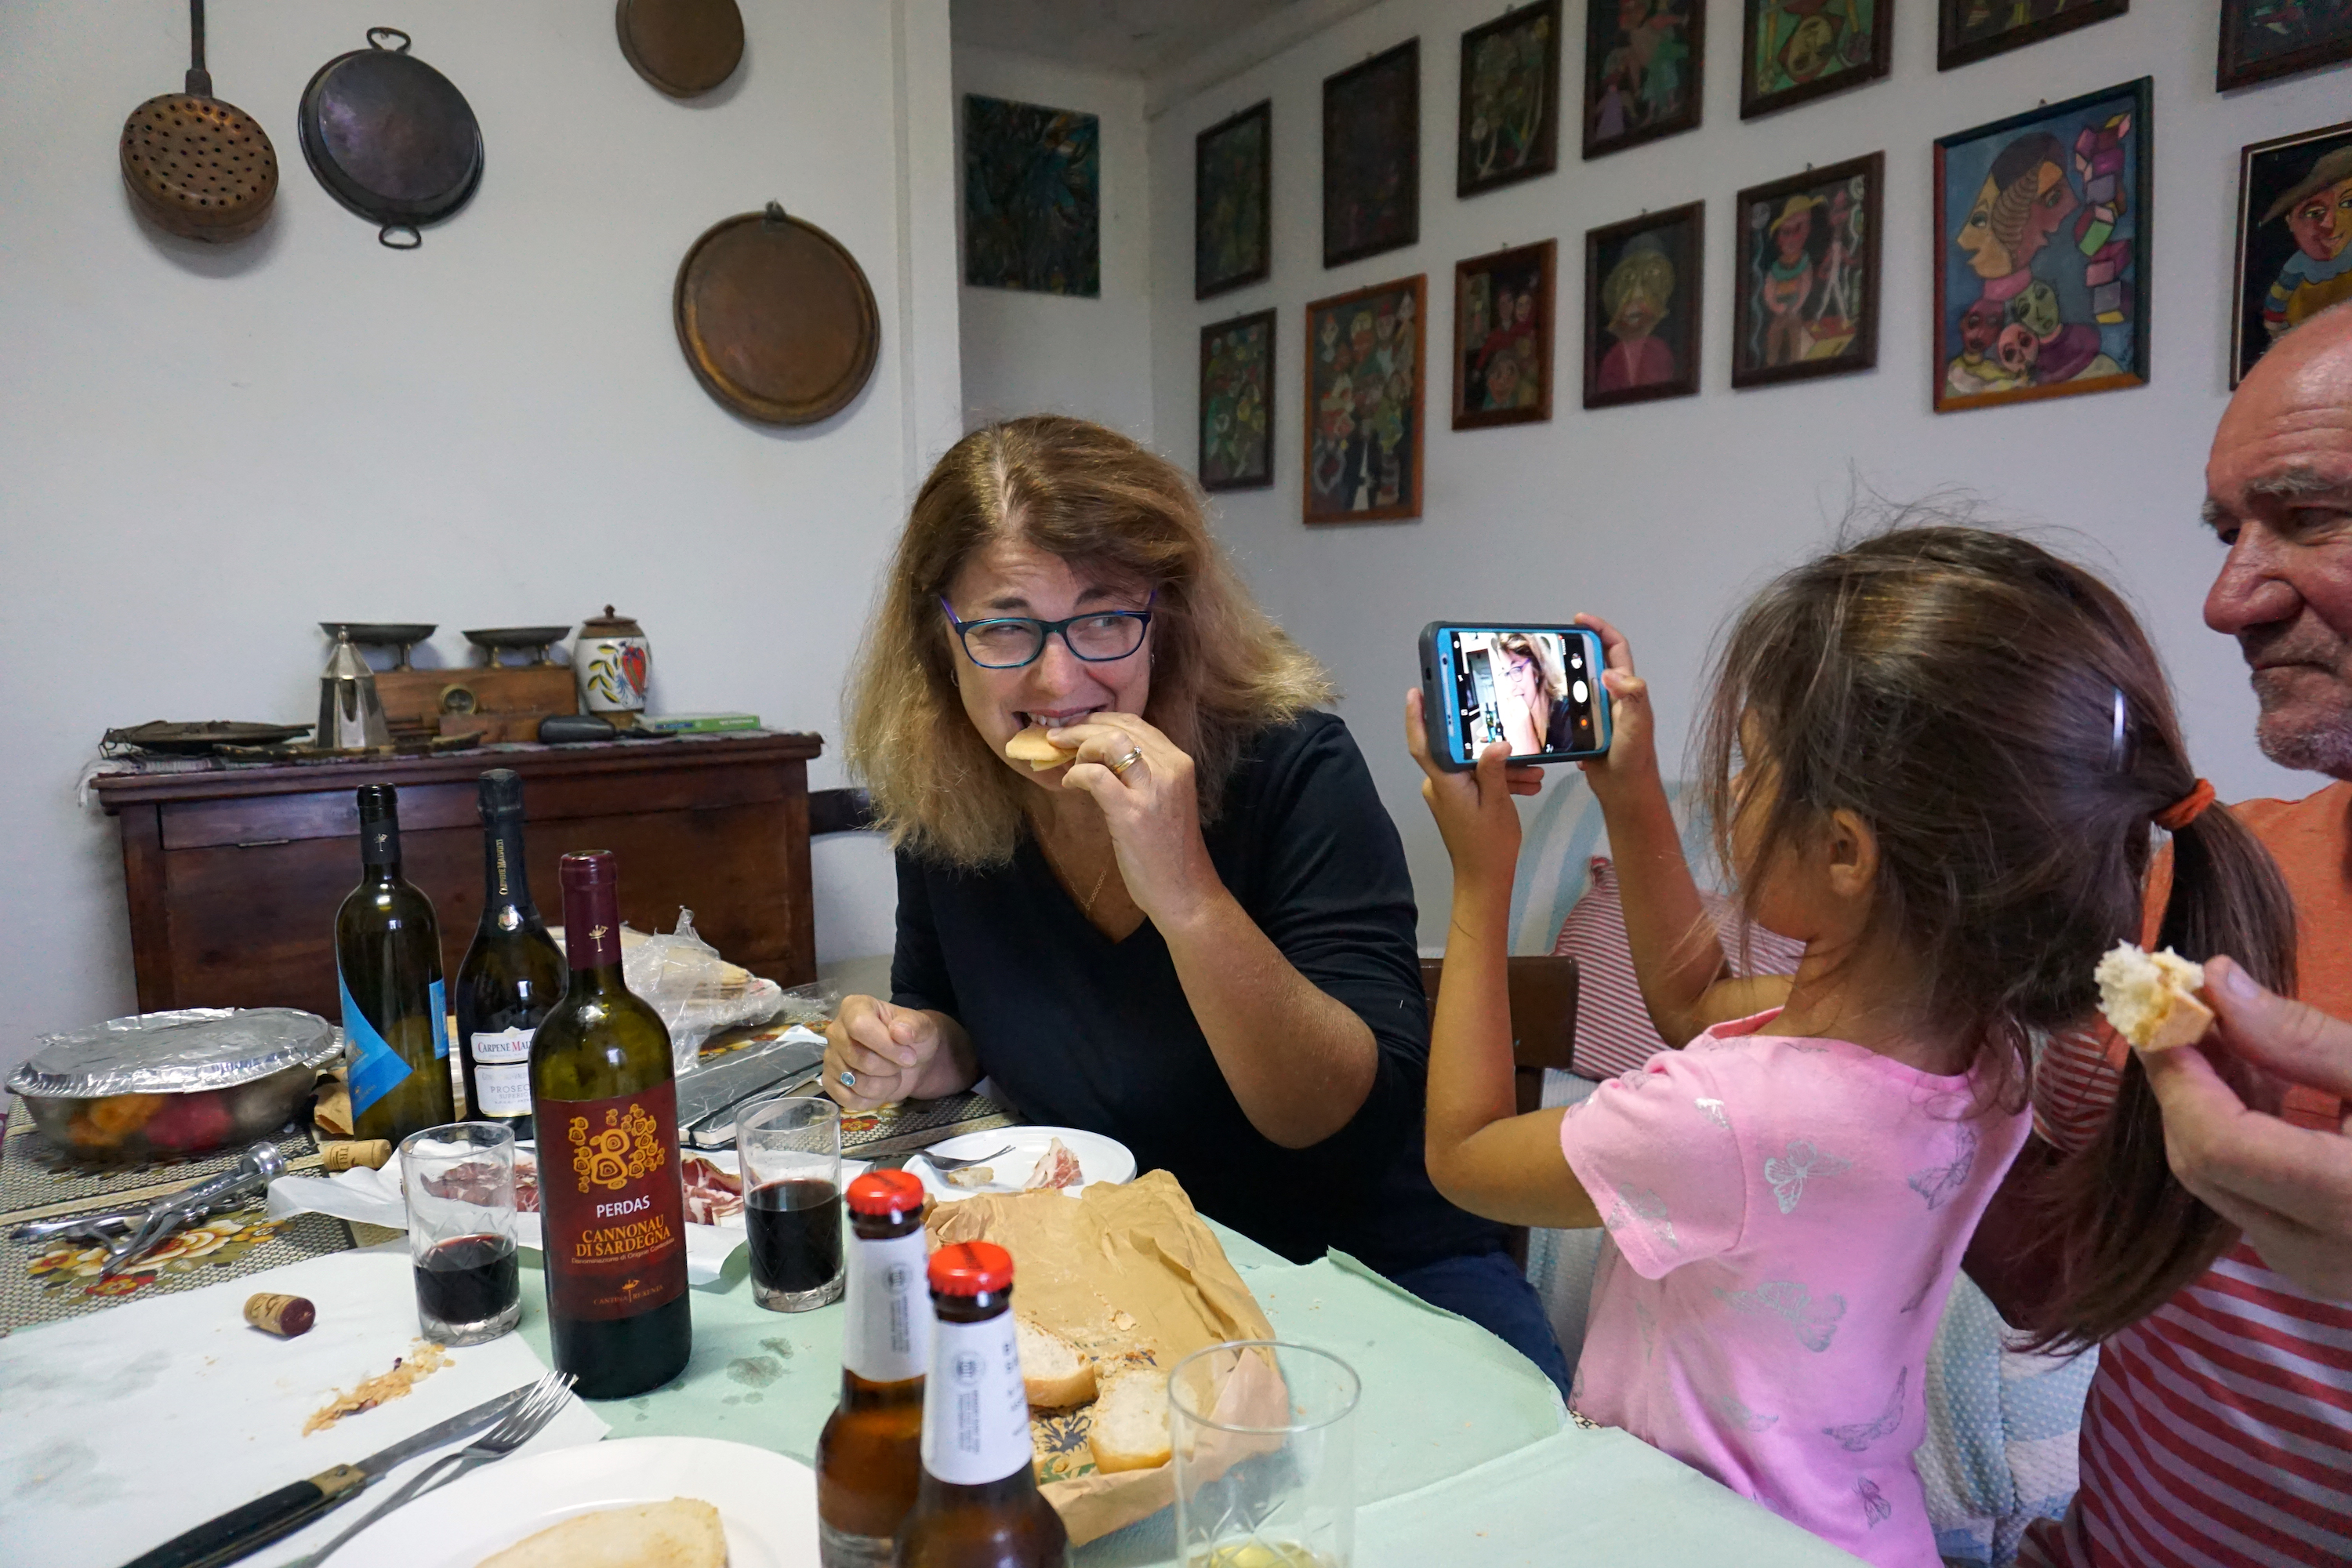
2129	1236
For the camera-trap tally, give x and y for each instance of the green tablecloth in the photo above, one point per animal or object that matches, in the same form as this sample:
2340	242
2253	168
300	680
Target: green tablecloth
1464	1453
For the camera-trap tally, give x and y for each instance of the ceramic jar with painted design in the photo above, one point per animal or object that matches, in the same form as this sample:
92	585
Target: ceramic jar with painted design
612	661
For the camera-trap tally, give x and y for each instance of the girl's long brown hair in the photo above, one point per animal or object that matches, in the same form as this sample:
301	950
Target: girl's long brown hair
1221	669
1957	688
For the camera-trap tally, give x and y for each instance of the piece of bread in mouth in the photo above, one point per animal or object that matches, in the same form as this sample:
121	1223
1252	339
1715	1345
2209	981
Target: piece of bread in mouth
683	1533
1129	1430
1031	747
1057	1375
2151	997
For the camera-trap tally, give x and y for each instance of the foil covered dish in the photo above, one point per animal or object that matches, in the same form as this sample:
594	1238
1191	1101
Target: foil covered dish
162	1084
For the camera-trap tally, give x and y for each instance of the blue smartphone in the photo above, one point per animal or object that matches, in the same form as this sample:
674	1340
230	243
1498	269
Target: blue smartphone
1538	688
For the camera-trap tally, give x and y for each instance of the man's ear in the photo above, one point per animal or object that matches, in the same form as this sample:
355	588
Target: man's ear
1853	856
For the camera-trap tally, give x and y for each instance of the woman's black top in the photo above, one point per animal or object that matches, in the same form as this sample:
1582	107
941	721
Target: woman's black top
1081	1031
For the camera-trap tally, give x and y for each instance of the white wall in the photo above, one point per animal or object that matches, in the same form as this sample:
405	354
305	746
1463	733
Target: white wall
205	450
1664	516
1053	354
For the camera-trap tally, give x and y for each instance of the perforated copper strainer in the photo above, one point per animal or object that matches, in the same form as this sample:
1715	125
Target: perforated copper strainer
200	168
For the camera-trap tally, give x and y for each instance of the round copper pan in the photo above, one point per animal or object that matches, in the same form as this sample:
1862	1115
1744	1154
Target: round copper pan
776	318
685	48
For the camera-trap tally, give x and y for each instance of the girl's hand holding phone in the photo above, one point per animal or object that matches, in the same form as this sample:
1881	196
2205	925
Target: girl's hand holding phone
1632	759
1474	810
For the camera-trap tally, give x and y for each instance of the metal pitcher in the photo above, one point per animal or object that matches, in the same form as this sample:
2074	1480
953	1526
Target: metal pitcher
350	714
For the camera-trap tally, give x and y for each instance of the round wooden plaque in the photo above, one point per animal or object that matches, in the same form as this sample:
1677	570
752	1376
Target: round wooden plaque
776	318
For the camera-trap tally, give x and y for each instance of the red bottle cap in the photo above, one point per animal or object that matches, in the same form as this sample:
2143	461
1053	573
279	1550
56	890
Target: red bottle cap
886	1194
971	1269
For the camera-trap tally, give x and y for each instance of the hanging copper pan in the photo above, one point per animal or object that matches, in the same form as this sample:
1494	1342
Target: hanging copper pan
685	48
199	168
390	138
776	318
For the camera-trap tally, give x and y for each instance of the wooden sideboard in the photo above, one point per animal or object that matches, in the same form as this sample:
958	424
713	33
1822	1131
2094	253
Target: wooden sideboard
235	873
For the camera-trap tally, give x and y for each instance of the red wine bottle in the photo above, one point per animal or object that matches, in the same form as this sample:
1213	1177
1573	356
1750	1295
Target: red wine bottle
605	1100
512	975
388	966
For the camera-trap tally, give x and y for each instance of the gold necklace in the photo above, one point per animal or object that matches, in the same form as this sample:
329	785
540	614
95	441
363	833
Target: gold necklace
1088	908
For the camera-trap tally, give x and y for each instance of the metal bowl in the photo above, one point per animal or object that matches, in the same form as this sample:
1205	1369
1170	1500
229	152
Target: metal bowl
381	634
138	1129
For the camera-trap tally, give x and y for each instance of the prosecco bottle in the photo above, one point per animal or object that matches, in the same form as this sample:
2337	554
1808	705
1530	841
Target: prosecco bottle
613	1212
978	1505
513	973
388	968
868	1458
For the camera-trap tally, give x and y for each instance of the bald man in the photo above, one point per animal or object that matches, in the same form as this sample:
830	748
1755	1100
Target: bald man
2219	1430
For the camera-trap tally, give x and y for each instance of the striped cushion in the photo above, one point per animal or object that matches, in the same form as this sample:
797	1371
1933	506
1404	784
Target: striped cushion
1613	1034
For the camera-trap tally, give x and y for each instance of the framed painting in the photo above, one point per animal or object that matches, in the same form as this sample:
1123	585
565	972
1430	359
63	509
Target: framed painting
1644	65
1032	197
2294	237
1509	128
1793	51
2263	38
1642	298
1502	338
1372	156
1232	204
1237	403
2042	252
1807	269
1364	383
1968	31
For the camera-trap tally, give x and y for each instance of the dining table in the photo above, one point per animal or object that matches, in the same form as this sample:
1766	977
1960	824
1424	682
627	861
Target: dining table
1464	1453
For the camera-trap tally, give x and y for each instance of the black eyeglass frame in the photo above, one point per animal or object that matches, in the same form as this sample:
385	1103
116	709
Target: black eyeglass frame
1047	630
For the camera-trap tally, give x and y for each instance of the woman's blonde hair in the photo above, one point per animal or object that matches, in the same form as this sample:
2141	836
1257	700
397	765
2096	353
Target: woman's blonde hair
1221	670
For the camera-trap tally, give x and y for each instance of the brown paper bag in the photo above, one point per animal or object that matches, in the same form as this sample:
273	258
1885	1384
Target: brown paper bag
1131	1275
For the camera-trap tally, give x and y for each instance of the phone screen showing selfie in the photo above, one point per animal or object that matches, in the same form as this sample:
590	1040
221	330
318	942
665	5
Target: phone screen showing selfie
1536	688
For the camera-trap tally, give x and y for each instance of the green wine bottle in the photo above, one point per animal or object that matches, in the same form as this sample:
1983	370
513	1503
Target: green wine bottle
604	1099
513	973
388	962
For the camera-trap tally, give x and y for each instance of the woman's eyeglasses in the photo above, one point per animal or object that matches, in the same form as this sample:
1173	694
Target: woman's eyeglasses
1009	642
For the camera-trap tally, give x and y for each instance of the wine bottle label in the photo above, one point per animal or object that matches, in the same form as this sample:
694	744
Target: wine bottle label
440	993
376	1070
888	1337
611	1208
502	1072
975	1406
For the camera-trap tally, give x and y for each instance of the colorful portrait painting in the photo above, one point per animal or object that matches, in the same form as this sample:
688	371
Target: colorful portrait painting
1233	205
2041	268
1509	128
1502	338
1032	197
1372	156
1808	299
1237	403
1642	295
1364	378
1972	30
2294	237
1642	62
1793	51
2266	38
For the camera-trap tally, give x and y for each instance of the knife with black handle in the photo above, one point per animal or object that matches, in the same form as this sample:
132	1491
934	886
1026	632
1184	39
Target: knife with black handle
247	1530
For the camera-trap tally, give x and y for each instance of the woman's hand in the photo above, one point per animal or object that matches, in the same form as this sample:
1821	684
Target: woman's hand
877	1052
1632	759
1473	807
1152	810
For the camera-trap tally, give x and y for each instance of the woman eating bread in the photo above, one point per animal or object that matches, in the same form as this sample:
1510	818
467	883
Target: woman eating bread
1144	886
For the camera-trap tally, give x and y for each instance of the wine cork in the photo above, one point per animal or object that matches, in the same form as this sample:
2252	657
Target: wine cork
285	1316
371	1153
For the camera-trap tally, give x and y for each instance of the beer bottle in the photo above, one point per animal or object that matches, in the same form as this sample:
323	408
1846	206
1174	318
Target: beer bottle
978	1506
870	1457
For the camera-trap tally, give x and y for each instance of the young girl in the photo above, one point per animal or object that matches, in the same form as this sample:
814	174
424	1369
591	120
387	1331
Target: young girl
1935	757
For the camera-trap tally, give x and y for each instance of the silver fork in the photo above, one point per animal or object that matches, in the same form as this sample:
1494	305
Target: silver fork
524	1422
945	1163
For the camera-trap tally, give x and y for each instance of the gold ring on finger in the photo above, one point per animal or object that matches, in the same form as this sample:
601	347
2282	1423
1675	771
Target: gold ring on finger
1134	755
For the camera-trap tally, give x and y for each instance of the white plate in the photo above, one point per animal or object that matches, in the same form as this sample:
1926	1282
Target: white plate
767	1503
1100	1159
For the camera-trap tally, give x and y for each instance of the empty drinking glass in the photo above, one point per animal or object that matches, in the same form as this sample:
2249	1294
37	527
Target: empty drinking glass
1264	1443
791	1153
459	1183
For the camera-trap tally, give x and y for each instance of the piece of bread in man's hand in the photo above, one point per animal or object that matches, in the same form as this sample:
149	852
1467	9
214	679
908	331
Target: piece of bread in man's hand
1031	747
1056	1373
2151	997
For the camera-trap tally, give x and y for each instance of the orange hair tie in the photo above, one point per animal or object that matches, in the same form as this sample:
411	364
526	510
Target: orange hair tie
2187	809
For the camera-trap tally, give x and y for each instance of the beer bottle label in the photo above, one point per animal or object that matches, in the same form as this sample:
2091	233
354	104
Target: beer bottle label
888	1337
612	1210
975	1406
502	1071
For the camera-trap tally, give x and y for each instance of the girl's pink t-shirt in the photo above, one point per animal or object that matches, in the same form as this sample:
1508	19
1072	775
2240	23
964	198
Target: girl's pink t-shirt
1787	1216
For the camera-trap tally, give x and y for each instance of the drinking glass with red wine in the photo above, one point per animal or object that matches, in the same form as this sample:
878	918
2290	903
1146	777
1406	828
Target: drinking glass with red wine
791	1154
459	1183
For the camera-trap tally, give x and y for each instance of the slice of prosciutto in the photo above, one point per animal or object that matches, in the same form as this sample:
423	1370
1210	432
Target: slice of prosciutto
1056	1167
711	1195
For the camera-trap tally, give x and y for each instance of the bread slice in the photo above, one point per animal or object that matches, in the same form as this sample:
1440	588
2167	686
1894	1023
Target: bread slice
2151	997
1058	1376
683	1533
1130	1429
1031	747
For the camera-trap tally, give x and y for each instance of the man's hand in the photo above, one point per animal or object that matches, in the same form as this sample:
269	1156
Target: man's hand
2288	1188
